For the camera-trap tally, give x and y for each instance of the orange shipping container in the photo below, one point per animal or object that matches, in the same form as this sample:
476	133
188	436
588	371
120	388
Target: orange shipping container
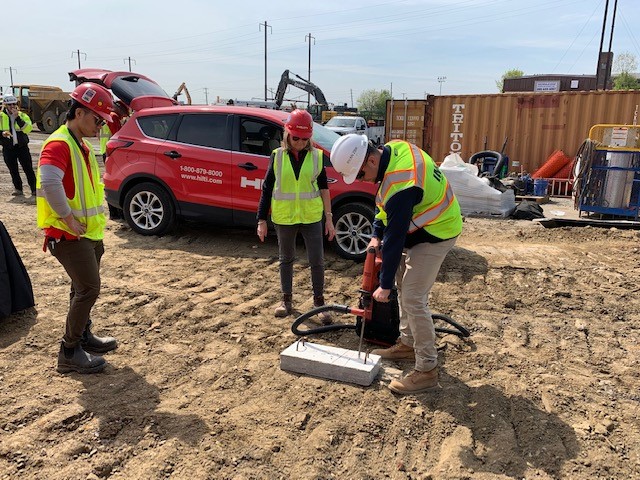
536	124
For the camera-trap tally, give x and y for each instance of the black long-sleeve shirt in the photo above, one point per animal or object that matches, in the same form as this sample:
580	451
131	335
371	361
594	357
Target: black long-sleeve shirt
270	180
395	236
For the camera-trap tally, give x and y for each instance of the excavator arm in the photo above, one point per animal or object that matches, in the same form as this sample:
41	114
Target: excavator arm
302	84
182	88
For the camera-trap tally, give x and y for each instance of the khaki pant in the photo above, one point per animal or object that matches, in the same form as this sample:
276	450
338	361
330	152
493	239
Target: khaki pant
81	260
415	276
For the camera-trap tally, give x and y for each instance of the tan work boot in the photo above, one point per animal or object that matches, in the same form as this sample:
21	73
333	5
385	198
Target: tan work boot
286	307
325	318
416	382
399	351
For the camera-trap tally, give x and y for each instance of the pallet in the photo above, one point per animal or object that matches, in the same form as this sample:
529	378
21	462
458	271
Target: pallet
533	198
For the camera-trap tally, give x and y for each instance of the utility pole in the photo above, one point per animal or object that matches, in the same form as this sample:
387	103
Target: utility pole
604	24
206	96
265	55
607	71
11	70
309	70
352	98
129	58
441	80
78	53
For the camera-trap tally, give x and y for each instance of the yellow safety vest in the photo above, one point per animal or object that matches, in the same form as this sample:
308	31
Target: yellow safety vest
438	212
296	200
105	135
6	125
87	203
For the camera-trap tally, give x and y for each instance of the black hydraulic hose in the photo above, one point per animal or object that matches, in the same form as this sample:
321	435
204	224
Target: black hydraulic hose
460	331
324	328
457	329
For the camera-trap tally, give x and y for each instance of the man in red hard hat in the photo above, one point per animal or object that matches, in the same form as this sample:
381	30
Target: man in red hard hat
70	210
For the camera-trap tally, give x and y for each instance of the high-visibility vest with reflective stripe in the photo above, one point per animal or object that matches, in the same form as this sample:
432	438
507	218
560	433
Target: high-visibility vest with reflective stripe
438	212
296	200
87	203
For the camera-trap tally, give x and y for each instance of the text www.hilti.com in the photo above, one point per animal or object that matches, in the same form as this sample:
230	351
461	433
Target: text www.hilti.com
201	178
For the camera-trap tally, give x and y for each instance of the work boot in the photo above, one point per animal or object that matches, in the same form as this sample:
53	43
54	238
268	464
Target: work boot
286	307
77	360
416	382
399	351
324	318
18	193
92	344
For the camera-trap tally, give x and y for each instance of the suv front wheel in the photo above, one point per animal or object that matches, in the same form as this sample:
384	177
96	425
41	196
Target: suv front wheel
149	210
354	228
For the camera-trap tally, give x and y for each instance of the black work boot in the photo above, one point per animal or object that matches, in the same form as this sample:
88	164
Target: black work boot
77	360
92	344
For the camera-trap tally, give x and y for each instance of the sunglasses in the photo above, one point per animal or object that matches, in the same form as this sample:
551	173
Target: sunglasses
99	121
297	139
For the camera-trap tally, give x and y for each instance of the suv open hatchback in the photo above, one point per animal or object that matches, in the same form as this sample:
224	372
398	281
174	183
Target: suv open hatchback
207	164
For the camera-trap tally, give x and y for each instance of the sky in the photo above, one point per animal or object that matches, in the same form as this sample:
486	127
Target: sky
409	47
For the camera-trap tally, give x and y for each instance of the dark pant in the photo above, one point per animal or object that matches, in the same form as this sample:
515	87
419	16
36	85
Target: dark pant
312	235
81	260
11	157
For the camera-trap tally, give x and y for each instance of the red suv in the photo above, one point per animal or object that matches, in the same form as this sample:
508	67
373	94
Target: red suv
207	163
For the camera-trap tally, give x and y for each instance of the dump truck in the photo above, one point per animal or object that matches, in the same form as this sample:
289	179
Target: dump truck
46	105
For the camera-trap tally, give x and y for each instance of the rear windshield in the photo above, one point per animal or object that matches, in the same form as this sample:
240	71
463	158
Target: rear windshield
130	87
157	126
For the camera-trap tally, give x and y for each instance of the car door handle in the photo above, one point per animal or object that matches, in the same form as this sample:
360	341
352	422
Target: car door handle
248	166
173	154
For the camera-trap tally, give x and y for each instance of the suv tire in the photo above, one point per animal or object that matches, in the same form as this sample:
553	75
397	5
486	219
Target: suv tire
354	228
149	210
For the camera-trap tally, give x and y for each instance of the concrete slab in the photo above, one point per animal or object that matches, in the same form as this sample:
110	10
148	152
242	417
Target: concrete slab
329	362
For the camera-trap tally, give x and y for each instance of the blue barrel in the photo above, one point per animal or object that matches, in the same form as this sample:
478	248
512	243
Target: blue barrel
540	186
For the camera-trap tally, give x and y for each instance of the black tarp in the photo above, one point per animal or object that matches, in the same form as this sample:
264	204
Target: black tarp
16	293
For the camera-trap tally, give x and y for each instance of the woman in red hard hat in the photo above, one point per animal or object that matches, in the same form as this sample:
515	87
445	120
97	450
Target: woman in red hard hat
295	188
70	199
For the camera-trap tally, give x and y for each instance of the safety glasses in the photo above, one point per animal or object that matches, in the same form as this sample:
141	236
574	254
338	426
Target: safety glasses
297	139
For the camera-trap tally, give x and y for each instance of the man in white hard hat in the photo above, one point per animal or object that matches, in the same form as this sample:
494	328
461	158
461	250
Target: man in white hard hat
417	222
15	125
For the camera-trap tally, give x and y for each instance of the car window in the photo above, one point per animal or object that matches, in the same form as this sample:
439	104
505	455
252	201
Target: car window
206	130
259	137
157	126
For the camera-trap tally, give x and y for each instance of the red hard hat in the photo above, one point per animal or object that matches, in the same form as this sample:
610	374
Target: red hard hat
299	124
95	98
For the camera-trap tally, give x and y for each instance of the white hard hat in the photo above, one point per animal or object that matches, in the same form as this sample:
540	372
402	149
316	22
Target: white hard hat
9	99
348	154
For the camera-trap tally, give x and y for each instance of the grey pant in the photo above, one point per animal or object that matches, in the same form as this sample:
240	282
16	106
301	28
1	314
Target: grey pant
312	235
81	259
415	276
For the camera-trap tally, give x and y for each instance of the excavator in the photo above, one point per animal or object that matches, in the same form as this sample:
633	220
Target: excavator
315	110
182	88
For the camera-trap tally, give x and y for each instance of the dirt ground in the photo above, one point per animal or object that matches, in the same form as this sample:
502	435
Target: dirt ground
547	386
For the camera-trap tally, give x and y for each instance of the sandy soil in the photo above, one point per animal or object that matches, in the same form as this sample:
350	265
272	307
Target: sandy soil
546	387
